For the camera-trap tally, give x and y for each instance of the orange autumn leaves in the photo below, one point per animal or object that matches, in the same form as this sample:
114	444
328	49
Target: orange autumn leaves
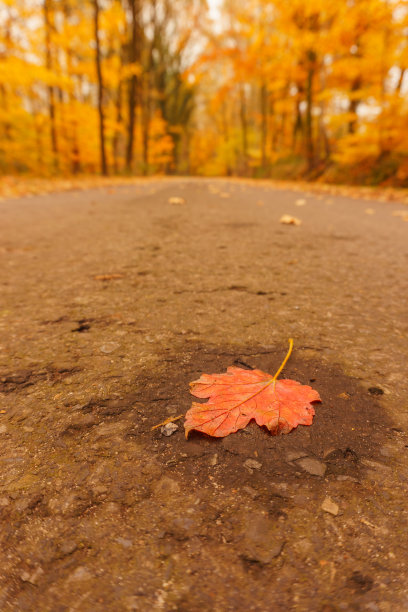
238	396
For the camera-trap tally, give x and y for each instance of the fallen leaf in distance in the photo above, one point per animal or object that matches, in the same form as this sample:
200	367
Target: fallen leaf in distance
238	396
300	202
176	200
289	220
369	211
401	213
108	277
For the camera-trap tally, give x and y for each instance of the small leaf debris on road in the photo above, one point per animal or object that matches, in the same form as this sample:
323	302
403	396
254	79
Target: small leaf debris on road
300	202
176	200
108	277
214	190
289	220
401	213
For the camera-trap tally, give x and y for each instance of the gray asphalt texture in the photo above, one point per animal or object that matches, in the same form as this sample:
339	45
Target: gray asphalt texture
111	301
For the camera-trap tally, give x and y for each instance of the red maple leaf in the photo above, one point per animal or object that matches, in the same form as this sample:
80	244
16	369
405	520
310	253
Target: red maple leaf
240	395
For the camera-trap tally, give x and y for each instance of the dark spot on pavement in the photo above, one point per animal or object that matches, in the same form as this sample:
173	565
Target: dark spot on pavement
375	391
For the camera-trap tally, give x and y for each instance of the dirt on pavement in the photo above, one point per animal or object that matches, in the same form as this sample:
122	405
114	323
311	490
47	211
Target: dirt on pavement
111	302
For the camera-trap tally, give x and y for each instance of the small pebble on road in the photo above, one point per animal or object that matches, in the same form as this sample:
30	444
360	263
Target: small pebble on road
169	429
312	466
330	506
108	348
252	464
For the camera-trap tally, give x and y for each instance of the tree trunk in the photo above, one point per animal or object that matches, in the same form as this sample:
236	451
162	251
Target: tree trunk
104	166
6	110
353	104
226	133
244	127
116	137
311	56
272	131
324	145
72	135
264	124
146	114
39	150
297	127
401	80
146	133
134	57
51	94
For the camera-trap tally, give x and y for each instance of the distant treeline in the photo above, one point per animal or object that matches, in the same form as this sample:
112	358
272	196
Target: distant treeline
306	88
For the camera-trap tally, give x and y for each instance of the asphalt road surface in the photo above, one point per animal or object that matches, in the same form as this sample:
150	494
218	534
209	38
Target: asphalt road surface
114	299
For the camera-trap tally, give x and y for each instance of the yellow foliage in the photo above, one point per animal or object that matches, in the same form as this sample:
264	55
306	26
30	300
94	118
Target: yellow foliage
313	81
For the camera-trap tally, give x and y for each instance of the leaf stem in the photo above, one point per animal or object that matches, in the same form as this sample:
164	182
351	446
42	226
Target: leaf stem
284	362
169	420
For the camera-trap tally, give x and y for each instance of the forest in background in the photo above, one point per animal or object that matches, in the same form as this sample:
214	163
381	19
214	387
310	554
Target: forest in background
304	89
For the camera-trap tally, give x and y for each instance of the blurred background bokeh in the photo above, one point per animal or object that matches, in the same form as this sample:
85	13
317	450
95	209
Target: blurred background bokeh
262	88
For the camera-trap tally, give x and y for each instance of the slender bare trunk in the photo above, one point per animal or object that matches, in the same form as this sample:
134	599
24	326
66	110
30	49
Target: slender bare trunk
272	132
50	88
264	123
324	139
311	56
226	133
401	80
116	137
353	104
244	127
146	120
134	57
104	165
297	127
